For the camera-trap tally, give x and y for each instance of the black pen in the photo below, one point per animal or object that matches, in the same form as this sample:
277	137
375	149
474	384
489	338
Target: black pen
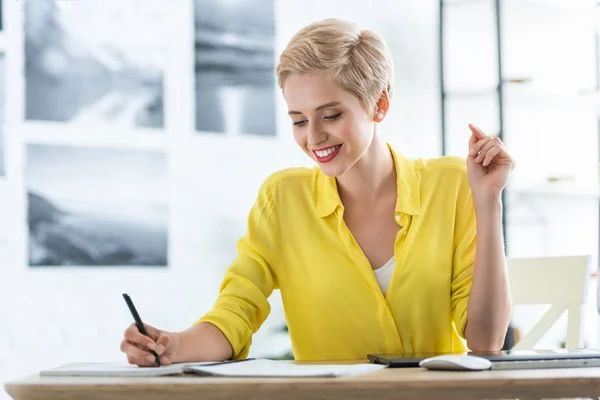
139	323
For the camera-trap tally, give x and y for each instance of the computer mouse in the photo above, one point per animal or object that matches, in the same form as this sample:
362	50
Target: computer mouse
456	362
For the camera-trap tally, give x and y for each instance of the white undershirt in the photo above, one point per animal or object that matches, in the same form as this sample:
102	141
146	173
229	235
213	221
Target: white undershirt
384	275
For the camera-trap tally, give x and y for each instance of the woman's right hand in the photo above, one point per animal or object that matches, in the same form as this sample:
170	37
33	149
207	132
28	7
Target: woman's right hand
136	346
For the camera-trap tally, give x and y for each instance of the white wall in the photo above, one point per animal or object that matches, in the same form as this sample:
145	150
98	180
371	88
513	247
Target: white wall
53	316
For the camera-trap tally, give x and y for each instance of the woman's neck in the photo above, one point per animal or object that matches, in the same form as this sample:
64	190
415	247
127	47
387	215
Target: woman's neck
371	178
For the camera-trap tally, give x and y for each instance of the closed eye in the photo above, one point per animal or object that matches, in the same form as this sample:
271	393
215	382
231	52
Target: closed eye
329	118
333	117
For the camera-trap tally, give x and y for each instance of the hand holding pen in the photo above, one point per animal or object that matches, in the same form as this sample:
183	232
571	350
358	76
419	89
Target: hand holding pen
145	345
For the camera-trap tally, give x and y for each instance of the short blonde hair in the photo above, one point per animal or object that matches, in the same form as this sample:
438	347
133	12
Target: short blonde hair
358	60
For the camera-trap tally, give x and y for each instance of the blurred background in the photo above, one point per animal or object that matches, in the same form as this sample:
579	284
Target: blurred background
134	135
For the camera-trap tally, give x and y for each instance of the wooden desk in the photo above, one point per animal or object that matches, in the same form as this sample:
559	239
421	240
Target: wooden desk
384	384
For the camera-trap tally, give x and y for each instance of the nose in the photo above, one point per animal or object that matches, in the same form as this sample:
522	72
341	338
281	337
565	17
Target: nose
316	135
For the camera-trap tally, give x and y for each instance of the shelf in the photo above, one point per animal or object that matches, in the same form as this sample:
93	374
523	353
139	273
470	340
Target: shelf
555	190
561	4
463	93
520	92
461	2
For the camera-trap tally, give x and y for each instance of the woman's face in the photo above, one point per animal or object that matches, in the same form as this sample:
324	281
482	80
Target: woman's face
330	124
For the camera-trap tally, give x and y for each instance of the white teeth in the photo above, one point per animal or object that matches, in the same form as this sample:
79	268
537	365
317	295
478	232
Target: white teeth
325	153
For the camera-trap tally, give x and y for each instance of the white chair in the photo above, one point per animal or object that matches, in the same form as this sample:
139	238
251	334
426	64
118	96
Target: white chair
561	282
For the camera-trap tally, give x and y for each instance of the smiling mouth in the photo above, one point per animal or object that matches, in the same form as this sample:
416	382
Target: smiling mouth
327	154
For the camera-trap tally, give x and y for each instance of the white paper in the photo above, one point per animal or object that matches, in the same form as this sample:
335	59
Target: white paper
116	369
270	368
249	368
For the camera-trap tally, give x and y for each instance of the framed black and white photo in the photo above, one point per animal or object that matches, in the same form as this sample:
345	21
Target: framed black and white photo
96	206
235	66
95	62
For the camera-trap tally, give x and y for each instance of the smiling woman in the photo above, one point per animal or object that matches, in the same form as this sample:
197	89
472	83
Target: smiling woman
388	244
332	125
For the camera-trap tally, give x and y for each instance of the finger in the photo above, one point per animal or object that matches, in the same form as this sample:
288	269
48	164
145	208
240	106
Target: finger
472	141
133	335
163	343
141	363
135	352
165	360
152	354
503	158
478	132
152	332
488	145
477	148
493	152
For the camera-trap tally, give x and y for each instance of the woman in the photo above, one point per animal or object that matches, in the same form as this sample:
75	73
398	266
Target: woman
372	252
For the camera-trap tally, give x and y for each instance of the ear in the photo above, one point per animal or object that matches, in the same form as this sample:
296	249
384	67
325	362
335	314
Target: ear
382	107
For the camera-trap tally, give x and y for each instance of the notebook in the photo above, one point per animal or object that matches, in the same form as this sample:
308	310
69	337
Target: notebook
244	368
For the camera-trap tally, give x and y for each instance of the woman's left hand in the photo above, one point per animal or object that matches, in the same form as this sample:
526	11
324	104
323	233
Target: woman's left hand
488	165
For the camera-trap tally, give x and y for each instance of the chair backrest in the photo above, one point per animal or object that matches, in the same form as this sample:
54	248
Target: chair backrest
561	282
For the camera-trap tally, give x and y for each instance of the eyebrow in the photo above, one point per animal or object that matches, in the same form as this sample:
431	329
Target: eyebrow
324	106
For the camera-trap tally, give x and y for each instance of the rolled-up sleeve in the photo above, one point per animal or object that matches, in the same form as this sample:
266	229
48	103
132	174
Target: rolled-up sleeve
242	305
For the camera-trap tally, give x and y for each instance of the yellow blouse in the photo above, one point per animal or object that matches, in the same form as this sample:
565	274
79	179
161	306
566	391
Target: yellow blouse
297	242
